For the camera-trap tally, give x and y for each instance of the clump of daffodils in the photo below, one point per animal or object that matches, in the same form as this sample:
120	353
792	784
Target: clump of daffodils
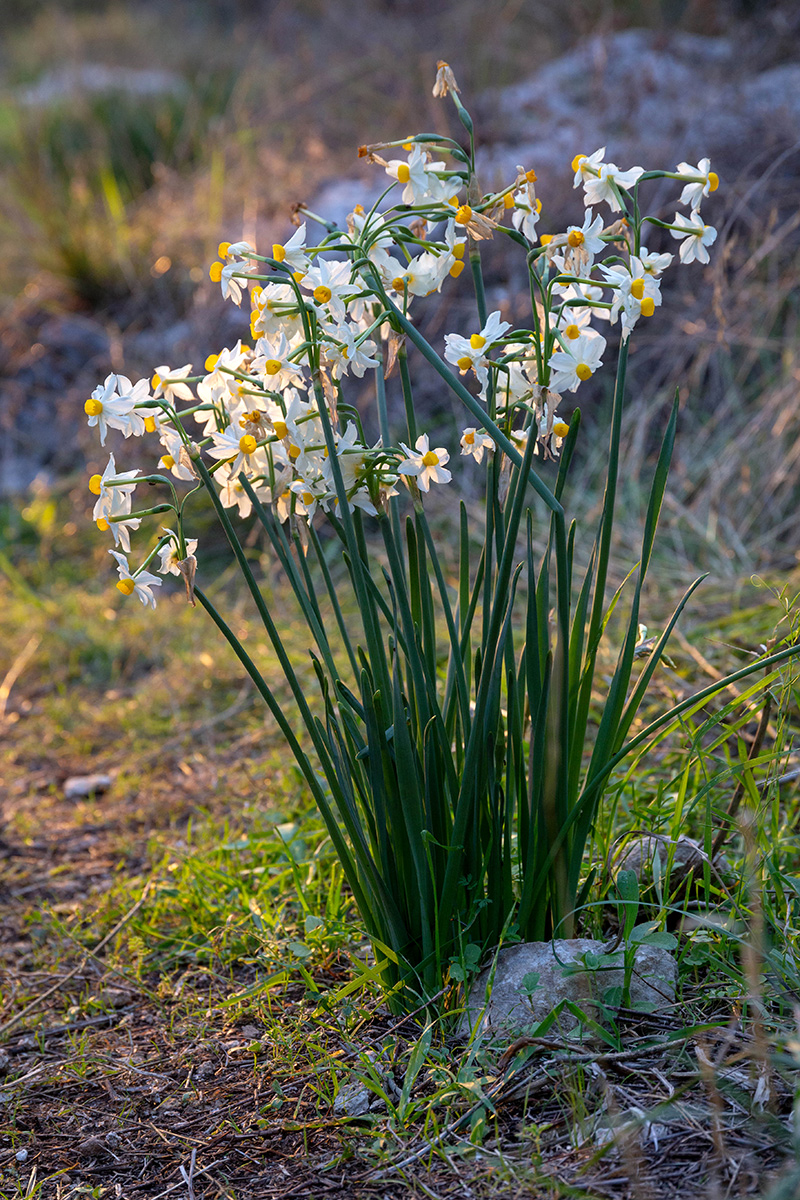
267	420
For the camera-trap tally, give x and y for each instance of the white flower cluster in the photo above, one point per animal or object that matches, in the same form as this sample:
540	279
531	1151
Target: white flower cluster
273	412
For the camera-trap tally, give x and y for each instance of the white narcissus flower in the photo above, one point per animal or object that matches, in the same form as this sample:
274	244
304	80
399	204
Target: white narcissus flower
582	243
654	264
637	293
557	432
170	383
472	352
524	219
310	494
421	276
170	554
217	387
694	191
344	354
114	502
125	484
330	285
292	254
527	207
369	229
108	410
698	236
275	311
142	583
456	245
475	442
299	427
171	460
350	452
425	465
512	385
362	499
600	179
422	184
231	288
232	491
285	503
586	166
139	393
232	445
569	368
572	323
271	364
235	255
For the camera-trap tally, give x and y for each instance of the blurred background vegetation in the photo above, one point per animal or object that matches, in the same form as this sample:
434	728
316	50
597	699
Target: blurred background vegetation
131	134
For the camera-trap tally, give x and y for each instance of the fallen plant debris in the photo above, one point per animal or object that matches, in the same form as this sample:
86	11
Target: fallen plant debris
152	1089
136	1082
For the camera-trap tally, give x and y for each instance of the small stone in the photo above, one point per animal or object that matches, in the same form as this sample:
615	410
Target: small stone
21	1155
352	1100
687	855
91	1148
5	1062
531	978
113	1140
86	785
251	1032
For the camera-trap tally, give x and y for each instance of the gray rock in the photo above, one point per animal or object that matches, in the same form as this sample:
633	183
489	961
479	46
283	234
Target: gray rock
531	978
86	785
67	83
649	99
352	1100
640	853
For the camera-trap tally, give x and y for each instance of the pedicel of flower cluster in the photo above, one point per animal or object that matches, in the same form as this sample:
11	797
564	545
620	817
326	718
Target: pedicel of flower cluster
273	410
